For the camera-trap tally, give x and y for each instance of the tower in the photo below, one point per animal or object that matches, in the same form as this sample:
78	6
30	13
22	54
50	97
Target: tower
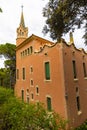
22	31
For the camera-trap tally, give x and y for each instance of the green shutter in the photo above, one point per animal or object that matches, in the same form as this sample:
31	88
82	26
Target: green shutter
49	103
47	70
22	95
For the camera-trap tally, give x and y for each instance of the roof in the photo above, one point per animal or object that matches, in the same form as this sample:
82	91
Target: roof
34	37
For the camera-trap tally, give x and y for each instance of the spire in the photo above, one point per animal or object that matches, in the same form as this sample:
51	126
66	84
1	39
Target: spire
22	31
22	23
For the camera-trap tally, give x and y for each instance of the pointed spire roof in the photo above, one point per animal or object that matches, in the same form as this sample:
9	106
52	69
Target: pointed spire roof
22	23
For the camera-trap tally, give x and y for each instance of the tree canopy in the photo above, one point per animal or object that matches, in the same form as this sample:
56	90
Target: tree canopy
8	51
17	115
64	16
0	10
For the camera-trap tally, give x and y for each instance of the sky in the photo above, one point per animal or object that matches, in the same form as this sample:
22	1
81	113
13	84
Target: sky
34	20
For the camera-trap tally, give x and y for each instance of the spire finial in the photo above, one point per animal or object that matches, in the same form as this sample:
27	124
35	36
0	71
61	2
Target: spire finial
22	8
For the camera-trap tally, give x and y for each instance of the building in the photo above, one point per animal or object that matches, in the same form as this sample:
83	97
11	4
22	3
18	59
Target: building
52	73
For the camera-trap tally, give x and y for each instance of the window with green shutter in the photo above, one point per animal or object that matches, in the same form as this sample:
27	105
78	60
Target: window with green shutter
22	95
47	70
49	107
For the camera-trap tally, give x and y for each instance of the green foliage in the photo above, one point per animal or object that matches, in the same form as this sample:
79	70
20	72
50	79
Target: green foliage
5	94
8	51
63	16
5	77
17	115
0	10
83	126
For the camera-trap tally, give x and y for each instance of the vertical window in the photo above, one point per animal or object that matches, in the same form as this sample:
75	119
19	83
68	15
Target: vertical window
74	69
21	54
27	99
31	49
17	74
37	90
78	103
84	70
22	95
22	33
28	51
31	82
49	107
47	70
31	69
77	99
32	96
25	52
23	73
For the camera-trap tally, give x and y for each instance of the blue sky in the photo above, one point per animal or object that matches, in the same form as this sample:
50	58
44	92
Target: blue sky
34	20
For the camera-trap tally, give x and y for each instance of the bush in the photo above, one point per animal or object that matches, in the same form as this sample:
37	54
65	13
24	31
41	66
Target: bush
17	115
83	126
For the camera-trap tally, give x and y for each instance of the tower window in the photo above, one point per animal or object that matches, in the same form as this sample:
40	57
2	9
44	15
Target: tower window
47	70
22	33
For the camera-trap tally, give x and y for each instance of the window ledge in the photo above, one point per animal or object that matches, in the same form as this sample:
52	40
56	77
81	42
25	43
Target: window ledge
85	77
76	79
37	94
32	100
79	112
47	80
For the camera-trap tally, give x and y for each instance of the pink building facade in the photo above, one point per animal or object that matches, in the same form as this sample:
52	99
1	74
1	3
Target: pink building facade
52	73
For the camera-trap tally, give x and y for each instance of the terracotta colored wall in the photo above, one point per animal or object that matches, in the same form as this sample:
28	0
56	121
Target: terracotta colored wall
54	87
62	86
71	53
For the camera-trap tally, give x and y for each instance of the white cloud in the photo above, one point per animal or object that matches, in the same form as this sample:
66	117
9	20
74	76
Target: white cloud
34	20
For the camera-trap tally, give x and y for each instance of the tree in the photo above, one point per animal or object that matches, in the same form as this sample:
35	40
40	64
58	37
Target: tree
17	115
0	10
8	51
5	77
64	16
